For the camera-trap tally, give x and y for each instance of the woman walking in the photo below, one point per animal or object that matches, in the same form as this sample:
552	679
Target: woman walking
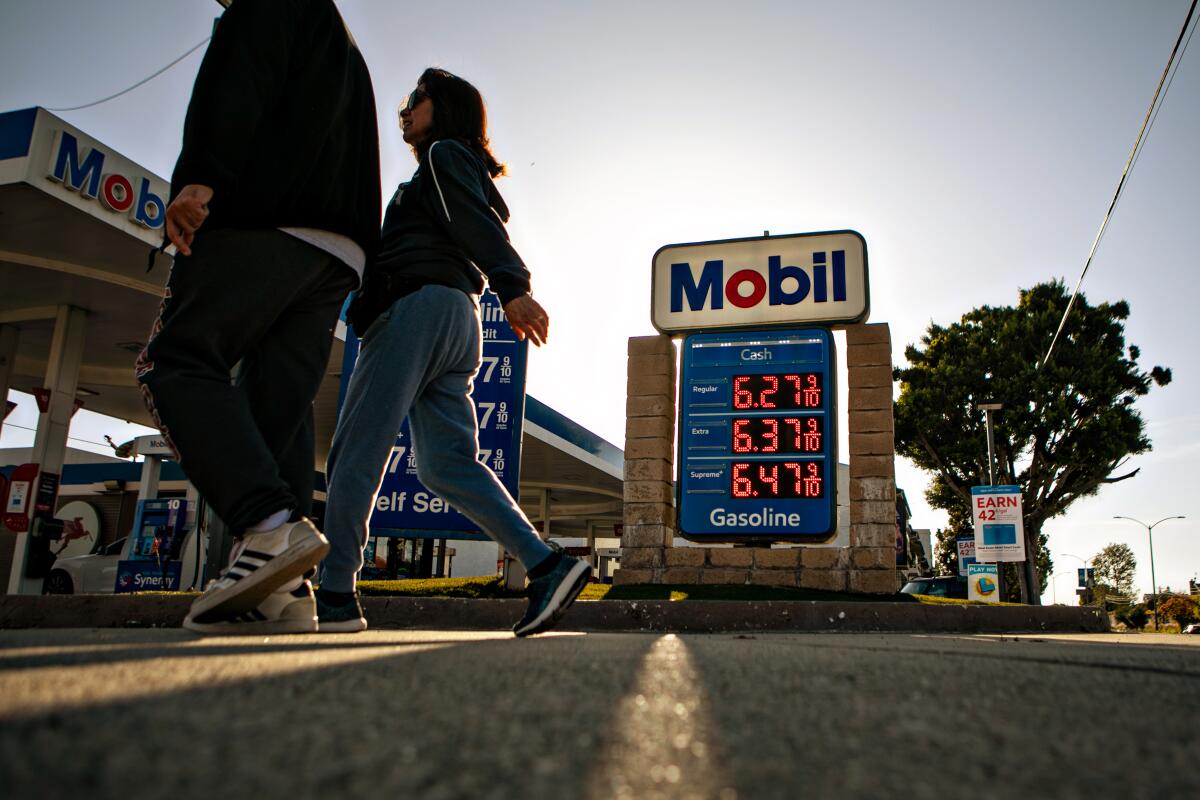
443	233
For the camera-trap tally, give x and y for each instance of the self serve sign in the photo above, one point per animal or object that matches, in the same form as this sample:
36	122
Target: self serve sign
763	281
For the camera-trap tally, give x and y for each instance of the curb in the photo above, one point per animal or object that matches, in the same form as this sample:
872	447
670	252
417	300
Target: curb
690	616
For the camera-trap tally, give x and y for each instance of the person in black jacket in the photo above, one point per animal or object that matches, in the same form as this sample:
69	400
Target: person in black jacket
274	211
443	234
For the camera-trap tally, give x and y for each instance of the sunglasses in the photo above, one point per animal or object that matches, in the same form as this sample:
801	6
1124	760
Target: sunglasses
413	100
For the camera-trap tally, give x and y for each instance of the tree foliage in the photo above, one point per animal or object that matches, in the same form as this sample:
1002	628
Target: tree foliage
1181	609
1066	429
945	552
1115	567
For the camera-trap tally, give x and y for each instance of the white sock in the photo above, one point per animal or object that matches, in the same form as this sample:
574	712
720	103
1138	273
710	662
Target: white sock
272	522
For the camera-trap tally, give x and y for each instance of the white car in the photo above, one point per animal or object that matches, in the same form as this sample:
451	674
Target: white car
91	574
1193	628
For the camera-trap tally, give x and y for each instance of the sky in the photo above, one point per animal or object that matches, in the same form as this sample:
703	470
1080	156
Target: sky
975	145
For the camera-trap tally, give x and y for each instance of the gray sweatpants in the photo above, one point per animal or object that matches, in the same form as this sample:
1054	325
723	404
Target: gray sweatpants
417	360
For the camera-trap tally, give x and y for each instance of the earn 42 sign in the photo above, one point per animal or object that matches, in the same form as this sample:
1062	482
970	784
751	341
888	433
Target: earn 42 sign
999	530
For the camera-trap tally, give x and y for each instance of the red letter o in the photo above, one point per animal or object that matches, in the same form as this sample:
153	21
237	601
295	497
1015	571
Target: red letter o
745	276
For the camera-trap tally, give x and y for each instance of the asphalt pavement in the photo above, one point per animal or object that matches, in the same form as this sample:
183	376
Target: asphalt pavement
116	713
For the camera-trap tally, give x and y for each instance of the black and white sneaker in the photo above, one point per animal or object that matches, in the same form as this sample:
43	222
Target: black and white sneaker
289	610
260	564
344	617
550	595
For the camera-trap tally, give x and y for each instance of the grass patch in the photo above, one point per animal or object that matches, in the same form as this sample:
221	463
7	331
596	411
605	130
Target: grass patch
738	592
931	600
476	588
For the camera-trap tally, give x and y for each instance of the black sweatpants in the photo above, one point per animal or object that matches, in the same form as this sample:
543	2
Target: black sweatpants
270	301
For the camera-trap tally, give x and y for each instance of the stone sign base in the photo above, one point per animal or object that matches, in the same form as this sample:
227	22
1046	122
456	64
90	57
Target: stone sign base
868	565
834	569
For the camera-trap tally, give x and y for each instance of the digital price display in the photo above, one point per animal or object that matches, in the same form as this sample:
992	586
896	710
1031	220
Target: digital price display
757	444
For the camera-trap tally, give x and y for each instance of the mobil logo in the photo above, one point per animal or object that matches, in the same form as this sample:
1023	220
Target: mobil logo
746	287
81	167
769	280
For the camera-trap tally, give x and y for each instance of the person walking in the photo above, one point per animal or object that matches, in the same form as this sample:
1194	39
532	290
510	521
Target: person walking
418	311
275	207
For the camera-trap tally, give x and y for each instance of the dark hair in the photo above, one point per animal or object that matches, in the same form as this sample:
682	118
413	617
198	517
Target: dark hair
458	113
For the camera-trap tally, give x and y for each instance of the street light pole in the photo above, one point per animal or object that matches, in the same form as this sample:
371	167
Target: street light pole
1054	584
1153	579
988	408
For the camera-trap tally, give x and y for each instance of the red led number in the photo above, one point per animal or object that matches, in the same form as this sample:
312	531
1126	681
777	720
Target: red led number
742	397
741	484
777	435
791	479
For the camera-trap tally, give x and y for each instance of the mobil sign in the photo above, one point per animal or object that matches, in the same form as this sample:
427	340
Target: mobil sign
761	281
84	167
40	150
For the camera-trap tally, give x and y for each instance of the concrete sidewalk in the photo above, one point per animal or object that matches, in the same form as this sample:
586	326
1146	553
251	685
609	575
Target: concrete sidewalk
689	616
110	714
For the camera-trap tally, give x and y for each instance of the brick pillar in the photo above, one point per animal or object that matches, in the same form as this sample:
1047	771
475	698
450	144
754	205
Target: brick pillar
649	468
872	460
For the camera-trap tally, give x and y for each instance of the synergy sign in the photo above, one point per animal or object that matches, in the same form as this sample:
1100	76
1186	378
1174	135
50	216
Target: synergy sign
758	282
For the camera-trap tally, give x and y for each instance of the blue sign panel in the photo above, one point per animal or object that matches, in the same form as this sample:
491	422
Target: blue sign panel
404	507
758	437
146	576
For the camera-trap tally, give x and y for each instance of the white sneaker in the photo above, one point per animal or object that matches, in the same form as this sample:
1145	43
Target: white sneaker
291	610
260	564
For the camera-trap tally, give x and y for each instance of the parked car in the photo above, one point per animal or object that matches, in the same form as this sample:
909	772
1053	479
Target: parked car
951	586
1193	628
95	573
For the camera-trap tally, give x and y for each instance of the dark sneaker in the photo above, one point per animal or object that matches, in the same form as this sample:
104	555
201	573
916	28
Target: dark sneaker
344	618
260	564
285	611
552	594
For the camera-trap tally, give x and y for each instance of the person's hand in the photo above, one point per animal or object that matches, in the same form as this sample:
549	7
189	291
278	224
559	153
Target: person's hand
186	214
528	319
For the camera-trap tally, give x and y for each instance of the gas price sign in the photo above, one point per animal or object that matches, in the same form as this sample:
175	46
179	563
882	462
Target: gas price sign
757	446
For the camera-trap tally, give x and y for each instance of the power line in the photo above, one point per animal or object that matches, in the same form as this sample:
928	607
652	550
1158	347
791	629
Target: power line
1147	122
72	438
139	83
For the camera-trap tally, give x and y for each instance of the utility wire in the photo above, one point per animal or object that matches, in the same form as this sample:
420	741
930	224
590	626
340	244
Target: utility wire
72	438
1151	113
139	83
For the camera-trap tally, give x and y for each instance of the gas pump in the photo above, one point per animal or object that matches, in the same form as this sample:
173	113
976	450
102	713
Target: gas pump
29	507
152	557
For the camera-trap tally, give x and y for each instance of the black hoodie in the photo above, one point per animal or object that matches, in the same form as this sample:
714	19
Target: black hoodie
445	226
281	123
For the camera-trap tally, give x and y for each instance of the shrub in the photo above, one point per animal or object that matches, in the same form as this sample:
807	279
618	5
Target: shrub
1181	609
1133	617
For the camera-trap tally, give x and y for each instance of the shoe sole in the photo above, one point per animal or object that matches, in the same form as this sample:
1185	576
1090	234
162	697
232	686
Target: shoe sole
252	628
342	626
568	590
246	594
